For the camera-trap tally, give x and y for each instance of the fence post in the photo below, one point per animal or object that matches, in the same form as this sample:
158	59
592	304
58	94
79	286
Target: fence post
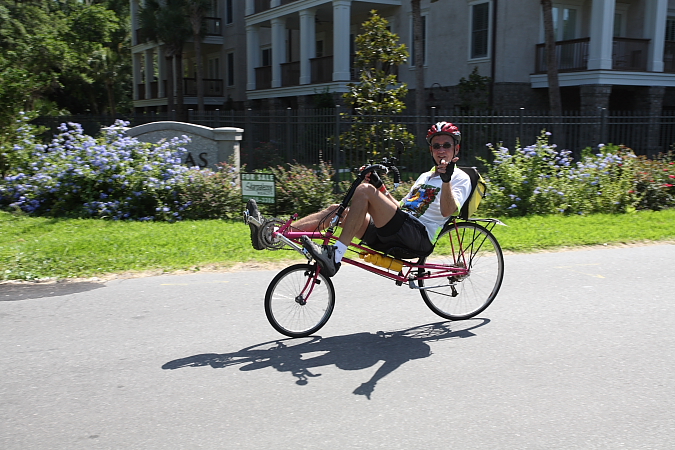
289	136
520	126
603	126
336	150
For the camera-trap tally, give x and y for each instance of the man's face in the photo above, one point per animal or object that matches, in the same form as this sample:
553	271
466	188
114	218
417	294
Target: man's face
444	151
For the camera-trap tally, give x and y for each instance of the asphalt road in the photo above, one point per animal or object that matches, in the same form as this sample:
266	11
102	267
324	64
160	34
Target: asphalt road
576	352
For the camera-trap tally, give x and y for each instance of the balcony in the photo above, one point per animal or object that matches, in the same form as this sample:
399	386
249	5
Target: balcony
261	5
141	89
212	87
214	26
263	77
572	55
322	69
669	57
290	73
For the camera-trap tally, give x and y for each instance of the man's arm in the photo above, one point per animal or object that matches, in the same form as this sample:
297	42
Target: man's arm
448	202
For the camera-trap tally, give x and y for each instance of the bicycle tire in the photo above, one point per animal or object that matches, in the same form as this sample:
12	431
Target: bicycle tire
459	298
299	317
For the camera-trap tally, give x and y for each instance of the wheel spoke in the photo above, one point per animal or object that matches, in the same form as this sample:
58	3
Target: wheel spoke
467	295
298	304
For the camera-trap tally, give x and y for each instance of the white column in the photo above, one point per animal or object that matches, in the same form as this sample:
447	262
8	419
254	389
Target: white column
252	54
341	22
275	3
278	49
134	21
307	44
161	72
149	73
250	7
136	73
655	29
602	35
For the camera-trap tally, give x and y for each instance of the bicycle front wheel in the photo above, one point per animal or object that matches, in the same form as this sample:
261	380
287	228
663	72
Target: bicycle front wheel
297	302
462	297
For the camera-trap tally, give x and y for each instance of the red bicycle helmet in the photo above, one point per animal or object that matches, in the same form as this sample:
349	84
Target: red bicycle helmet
444	128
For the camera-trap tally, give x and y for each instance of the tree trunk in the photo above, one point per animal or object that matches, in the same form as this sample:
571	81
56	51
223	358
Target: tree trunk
180	91
420	107
555	102
170	106
200	73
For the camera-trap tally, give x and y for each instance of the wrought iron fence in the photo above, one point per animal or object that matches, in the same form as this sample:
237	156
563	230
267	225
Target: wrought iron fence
310	136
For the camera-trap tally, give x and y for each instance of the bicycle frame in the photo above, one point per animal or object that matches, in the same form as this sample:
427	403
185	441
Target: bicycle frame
411	271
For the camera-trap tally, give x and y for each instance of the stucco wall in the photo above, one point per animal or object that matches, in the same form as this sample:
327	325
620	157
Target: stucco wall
207	146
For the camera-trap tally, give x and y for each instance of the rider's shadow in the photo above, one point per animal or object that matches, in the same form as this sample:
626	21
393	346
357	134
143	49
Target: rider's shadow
301	357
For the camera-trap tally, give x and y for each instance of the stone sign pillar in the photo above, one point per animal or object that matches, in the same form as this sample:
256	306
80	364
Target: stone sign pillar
207	146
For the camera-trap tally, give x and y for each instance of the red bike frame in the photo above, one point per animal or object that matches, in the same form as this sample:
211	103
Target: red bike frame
411	270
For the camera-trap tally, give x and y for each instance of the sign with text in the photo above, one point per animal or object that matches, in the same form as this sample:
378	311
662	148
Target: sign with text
259	186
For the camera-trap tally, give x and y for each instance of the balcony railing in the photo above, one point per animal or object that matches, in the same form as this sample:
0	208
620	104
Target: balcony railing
261	5
142	94
669	57
263	77
290	73
630	54
214	26
212	87
572	55
322	69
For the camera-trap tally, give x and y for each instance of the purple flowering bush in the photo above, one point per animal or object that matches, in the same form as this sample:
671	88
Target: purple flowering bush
113	176
540	179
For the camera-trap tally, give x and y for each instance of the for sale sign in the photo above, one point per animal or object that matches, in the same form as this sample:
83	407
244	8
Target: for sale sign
259	186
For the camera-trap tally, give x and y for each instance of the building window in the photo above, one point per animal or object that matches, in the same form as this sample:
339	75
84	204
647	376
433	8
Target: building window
230	69
565	20
424	41
213	68
480	30
229	16
670	29
266	57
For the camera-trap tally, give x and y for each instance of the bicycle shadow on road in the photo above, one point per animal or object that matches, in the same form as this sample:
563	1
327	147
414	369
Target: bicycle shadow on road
30	291
300	357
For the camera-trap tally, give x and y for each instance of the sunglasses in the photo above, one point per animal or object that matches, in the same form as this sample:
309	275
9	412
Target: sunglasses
436	146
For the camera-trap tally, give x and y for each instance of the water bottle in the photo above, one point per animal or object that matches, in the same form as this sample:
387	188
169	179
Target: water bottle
382	261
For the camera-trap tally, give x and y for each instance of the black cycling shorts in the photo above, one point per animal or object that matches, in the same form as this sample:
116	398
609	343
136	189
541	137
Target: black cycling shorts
402	232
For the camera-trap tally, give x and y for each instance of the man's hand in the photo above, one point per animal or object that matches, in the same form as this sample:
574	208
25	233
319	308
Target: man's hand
445	170
375	180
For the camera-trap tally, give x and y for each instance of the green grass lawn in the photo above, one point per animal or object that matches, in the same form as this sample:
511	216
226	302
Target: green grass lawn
38	248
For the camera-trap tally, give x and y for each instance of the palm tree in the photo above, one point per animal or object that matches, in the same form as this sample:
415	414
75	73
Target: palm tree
551	61
418	49
197	10
165	23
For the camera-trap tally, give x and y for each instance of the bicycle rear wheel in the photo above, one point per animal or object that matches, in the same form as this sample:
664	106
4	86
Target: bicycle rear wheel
462	297
296	303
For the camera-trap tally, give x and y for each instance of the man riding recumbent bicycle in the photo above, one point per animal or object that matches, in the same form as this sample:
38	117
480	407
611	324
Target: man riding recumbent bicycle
427	240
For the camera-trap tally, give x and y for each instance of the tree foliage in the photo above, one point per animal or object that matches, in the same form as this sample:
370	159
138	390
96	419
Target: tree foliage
378	96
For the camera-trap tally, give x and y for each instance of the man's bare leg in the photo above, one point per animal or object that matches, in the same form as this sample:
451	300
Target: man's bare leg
367	203
316	221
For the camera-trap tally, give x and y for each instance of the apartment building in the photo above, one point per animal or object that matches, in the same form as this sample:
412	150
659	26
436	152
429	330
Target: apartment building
268	54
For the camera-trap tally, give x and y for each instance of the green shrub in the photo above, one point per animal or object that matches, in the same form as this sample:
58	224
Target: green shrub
302	189
212	195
